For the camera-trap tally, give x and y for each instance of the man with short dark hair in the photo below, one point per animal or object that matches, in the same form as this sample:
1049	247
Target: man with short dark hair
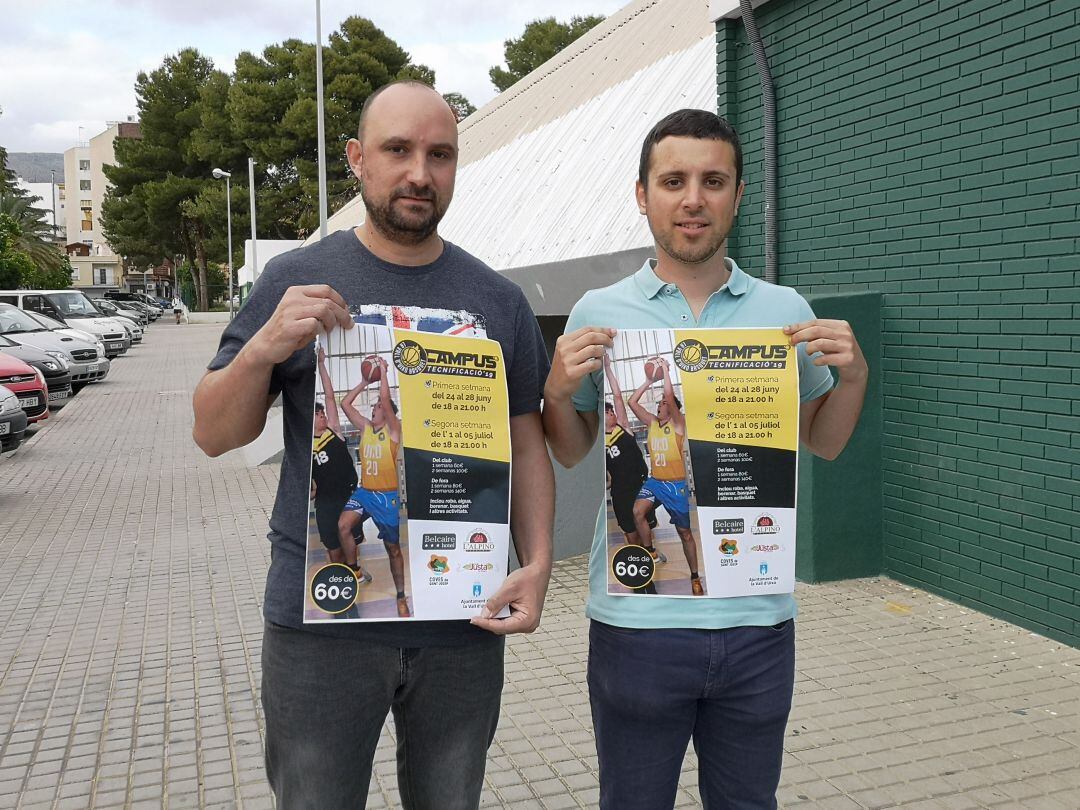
327	687
662	670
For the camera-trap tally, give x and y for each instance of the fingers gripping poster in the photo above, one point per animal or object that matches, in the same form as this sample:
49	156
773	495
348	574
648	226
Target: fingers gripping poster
701	430
410	481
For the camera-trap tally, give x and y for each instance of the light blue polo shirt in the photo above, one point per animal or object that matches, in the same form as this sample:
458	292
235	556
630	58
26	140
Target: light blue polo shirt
644	301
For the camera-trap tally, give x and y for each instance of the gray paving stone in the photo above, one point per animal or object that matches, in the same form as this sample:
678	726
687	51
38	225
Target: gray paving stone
128	691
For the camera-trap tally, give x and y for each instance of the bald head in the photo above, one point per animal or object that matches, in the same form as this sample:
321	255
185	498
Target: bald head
402	92
405	155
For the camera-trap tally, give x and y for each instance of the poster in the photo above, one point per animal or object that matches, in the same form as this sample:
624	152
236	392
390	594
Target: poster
410	475
701	432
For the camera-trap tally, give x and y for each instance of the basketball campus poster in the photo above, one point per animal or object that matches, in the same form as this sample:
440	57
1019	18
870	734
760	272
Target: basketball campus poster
701	436
410	485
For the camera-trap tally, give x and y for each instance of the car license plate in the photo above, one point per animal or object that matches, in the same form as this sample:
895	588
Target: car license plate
5	428
93	368
57	395
116	345
26	402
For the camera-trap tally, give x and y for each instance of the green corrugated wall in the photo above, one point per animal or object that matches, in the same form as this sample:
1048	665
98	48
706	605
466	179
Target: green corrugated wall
930	151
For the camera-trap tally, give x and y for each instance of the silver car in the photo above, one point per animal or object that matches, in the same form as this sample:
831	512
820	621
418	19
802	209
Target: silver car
87	361
127	318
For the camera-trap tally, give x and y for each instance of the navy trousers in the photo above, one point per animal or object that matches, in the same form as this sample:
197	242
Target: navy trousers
652	691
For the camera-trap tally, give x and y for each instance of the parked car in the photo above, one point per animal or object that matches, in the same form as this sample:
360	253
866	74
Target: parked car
12	420
86	359
151	303
130	321
73	308
55	369
123	309
28	384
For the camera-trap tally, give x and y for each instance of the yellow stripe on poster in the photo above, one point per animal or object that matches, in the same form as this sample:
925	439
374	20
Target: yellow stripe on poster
453	391
744	383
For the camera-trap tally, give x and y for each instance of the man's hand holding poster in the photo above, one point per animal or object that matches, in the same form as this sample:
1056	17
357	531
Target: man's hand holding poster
410	484
701	436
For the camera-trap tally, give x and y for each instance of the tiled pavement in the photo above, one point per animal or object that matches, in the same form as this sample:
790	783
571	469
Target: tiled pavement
131	574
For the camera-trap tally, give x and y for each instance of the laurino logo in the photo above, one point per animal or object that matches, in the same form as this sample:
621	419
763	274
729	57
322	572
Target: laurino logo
691	355
410	357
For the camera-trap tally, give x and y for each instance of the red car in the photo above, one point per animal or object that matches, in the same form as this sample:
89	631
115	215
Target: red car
27	384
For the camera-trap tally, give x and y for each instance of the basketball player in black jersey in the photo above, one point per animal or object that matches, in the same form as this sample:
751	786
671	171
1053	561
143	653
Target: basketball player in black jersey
333	477
626	467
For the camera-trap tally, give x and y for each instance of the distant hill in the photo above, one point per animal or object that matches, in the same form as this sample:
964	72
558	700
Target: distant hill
34	167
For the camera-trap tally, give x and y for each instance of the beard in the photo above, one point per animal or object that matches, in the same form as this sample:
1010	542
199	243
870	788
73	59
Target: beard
405	229
690	254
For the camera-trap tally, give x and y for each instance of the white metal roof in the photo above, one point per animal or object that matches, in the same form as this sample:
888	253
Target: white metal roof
547	168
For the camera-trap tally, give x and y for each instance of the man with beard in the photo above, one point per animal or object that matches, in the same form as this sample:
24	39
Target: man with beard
327	687
665	670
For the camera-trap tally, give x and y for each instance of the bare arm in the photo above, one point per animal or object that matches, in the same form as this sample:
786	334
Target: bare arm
570	433
352	413
621	416
333	418
678	419
393	424
637	407
826	423
231	403
532	512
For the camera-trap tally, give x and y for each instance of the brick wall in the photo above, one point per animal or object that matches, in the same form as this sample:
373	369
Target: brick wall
931	151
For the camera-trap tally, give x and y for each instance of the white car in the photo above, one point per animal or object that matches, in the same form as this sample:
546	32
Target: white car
127	318
73	308
87	353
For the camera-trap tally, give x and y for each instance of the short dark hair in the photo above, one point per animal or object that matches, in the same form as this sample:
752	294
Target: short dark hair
690	124
379	91
392	403
320	408
609	407
678	402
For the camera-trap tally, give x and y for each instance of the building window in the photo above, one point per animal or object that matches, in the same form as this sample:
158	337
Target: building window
86	205
87	222
102	274
84	165
84	185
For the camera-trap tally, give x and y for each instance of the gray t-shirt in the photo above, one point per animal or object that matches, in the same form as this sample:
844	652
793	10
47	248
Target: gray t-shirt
453	284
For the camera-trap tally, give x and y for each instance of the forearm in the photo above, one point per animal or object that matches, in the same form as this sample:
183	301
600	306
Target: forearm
230	404
568	432
835	420
532	505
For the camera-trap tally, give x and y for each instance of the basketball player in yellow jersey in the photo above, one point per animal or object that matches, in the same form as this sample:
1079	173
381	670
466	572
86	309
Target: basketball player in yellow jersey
377	495
666	484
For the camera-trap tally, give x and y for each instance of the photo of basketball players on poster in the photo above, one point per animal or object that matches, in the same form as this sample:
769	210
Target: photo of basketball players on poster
650	493
410	469
701	437
356	493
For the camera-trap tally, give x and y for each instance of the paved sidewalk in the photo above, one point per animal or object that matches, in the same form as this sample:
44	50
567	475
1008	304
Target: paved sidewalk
131	577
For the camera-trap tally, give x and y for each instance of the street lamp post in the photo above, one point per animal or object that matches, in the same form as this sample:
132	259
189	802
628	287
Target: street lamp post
321	126
254	239
218	174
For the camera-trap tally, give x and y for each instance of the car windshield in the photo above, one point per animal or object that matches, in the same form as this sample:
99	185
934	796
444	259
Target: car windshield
13	320
103	305
46	321
73	304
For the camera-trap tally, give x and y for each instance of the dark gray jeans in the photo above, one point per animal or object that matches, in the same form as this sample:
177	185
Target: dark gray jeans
326	699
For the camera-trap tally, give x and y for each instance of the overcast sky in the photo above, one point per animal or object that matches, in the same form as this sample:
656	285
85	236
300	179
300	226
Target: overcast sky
71	63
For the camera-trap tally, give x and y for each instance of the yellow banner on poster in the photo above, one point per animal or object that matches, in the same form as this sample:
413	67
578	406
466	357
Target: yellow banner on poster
453	385
744	383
